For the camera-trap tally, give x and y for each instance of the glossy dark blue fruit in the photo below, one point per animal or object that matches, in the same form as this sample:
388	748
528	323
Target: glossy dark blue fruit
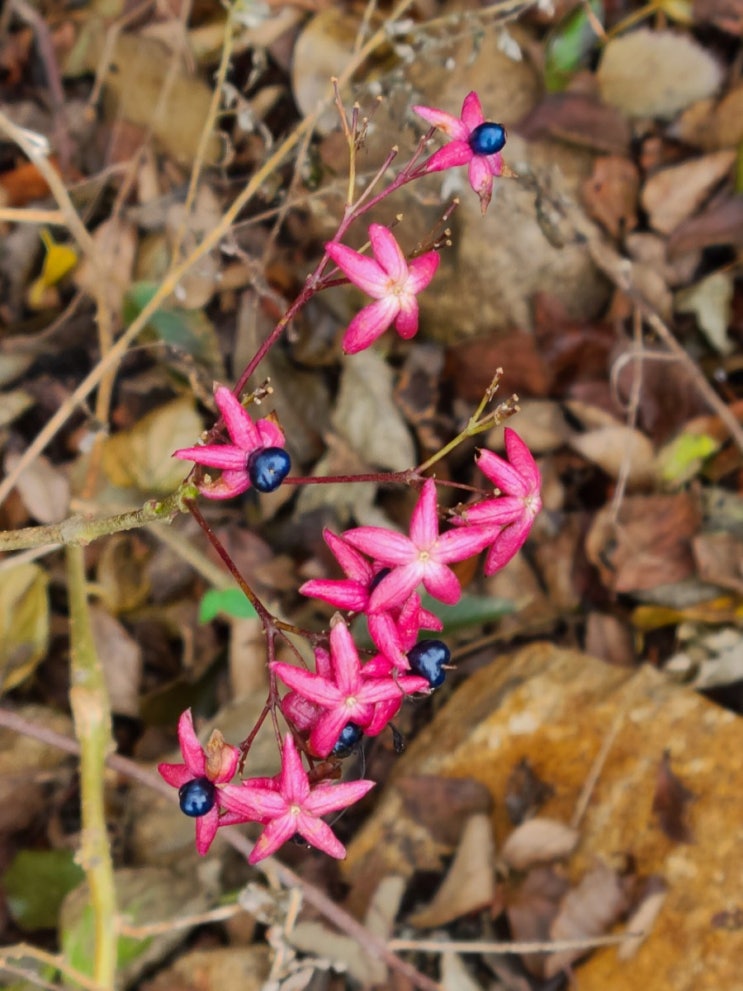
350	736
268	467
487	138
382	573
197	797
428	658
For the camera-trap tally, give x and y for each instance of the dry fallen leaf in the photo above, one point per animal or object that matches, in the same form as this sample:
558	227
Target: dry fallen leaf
469	884
538	841
672	195
26	767
719	223
442	804
121	576
711	302
120	657
367	417
43	487
214	968
610	638
471	365
588	910
713	126
650	544
670	801
616	450
116	246
648	73
610	195
579	118
643	918
24	622
324	46
455	976
142	456
531	908
135	90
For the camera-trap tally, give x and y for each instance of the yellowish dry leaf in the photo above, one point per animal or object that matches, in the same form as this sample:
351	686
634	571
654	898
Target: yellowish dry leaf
141	458
24	622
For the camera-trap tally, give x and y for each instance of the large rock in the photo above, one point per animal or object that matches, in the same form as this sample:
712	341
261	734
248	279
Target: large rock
555	708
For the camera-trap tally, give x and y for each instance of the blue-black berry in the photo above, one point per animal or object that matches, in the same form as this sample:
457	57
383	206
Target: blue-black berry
268	467
428	658
350	736
382	573
197	797
487	138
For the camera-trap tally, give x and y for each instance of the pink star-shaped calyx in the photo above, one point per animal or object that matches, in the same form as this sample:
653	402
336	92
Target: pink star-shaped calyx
509	516
287	805
423	557
394	633
345	694
351	593
216	763
471	140
247	436
390	280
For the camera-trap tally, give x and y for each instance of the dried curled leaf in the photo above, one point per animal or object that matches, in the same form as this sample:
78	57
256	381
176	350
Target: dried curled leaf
538	841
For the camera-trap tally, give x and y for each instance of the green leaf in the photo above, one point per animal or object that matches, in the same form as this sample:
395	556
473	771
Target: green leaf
35	884
185	330
471	610
569	45
228	602
683	457
78	943
144	895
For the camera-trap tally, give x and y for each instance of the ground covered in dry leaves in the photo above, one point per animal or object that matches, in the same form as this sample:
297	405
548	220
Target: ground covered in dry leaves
579	775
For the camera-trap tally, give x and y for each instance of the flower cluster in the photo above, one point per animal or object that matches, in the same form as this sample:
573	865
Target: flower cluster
348	696
330	708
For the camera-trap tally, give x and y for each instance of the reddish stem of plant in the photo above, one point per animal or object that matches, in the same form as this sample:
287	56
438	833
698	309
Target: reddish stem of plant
407	477
314	282
271	625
